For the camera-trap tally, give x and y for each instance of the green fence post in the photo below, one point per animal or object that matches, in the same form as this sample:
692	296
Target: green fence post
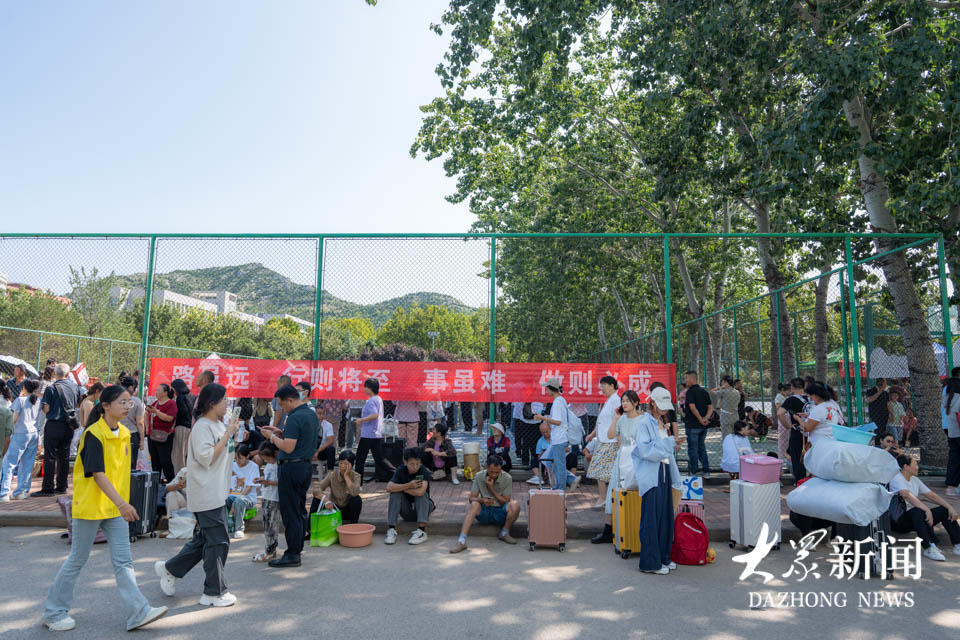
493	317
945	305
39	349
846	346
796	348
318	302
760	352
854	333
78	352
868	330
147	302
736	344
779	341
668	330
703	350
110	362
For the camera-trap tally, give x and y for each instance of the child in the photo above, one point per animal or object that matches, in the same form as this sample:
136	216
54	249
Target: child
573	481
897	412
327	451
270	503
243	490
735	445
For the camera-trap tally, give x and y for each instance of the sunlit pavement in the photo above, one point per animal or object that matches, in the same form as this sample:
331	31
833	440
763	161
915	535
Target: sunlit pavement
491	591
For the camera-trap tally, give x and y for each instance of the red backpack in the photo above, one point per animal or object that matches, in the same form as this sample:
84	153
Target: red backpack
690	540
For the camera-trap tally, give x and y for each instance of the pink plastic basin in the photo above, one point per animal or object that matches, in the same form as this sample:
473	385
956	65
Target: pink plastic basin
355	535
760	469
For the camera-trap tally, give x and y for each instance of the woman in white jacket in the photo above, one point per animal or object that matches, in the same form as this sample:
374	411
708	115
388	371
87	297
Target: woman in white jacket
209	463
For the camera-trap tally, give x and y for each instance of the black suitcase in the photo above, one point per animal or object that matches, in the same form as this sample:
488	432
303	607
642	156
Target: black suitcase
876	532
392	451
143	497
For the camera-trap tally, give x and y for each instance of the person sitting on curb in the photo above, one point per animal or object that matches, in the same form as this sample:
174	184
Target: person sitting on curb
490	503
439	454
343	489
409	497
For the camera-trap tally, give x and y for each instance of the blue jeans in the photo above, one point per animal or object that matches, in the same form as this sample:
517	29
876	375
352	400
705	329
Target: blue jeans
697	450
558	454
117	532
20	456
236	507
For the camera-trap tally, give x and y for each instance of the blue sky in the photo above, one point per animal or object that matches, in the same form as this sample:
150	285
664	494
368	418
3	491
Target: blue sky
210	116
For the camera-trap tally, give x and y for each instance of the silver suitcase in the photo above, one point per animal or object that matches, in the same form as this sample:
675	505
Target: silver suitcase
752	505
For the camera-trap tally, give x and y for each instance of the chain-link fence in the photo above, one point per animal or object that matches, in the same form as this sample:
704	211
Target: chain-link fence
700	301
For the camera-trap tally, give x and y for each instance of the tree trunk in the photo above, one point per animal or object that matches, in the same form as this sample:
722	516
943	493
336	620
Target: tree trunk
715	353
627	327
922	363
821	324
603	338
782	350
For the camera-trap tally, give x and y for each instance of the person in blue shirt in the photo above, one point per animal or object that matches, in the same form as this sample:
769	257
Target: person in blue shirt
656	472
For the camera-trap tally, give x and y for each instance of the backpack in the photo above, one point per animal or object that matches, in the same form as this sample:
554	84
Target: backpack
690	540
69	412
527	411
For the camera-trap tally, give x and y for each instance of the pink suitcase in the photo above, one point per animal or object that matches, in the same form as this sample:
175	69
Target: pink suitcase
548	519
760	469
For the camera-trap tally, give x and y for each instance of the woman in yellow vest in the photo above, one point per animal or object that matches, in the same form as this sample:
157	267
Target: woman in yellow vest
101	487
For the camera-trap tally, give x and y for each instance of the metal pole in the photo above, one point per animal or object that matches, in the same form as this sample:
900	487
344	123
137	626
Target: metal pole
945	305
78	352
318	303
110	362
854	333
703	350
39	349
796	346
493	319
736	344
668	330
760	352
846	346
779	342
147	302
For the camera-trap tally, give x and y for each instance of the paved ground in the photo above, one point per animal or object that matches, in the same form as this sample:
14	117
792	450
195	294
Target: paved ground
491	591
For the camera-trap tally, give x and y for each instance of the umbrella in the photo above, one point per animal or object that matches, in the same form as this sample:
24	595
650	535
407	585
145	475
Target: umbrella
7	363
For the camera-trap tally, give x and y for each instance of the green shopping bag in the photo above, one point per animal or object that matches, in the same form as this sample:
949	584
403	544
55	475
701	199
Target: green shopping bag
323	526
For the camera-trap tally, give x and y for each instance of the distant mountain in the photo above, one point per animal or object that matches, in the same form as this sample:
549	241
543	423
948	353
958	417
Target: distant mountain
261	290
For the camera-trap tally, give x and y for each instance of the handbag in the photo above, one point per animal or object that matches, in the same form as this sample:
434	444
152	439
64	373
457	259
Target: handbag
69	413
898	507
628	478
527	411
323	525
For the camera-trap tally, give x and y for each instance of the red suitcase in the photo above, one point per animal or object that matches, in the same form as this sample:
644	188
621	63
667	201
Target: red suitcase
548	519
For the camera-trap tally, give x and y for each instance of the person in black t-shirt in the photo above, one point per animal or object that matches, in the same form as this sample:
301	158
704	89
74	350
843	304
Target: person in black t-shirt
60	401
878	397
793	405
697	411
409	497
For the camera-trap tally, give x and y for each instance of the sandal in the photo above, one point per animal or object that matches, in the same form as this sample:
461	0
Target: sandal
264	557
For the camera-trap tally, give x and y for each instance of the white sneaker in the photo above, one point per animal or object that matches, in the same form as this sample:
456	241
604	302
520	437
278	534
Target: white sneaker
237	535
662	571
63	624
168	582
575	484
417	537
391	537
225	599
4	498
454	480
672	566
20	496
533	480
952	491
933	553
956	549
153	614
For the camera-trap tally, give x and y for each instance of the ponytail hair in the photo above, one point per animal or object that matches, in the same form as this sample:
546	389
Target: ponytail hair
32	386
110	394
210	396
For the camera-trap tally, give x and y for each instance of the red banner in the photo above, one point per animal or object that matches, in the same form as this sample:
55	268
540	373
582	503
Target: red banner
459	381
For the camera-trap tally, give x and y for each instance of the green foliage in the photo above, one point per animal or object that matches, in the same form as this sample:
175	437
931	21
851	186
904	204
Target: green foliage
458	334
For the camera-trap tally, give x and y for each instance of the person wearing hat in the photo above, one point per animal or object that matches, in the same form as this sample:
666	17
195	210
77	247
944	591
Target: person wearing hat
554	428
499	444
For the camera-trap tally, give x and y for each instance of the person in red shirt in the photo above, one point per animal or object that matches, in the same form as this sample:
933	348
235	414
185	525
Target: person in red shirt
499	444
163	414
